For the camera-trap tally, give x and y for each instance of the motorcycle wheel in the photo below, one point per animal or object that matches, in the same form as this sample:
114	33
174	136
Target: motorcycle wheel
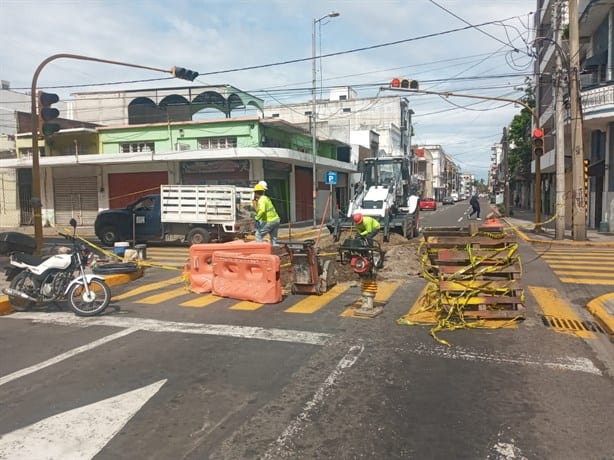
22	282
94	304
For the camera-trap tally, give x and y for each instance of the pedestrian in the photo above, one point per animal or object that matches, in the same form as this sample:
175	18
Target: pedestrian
267	219
517	200
366	226
475	206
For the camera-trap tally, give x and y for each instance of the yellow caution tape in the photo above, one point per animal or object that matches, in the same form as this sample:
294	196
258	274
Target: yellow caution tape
449	307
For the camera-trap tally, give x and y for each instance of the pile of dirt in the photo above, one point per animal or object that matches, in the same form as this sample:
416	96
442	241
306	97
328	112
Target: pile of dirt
400	259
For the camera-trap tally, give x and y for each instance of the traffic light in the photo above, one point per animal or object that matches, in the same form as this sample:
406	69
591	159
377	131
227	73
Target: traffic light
404	83
538	142
184	74
47	114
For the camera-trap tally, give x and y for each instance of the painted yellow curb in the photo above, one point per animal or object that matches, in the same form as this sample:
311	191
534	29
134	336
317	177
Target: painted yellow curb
600	310
112	280
523	236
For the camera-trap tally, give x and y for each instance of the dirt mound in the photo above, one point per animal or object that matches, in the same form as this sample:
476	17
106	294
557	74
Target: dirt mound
400	259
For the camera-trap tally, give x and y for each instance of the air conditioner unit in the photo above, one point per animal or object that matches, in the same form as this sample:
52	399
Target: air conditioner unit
182	146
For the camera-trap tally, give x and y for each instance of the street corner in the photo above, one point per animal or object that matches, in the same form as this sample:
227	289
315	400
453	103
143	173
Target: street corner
516	229
5	306
602	308
117	279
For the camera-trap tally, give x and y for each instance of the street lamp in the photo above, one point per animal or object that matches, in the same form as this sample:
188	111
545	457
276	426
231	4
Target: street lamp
332	14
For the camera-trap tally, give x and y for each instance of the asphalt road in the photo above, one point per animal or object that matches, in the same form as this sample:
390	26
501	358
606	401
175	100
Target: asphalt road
160	380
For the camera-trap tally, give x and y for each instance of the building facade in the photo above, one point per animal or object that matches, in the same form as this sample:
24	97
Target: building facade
596	29
84	170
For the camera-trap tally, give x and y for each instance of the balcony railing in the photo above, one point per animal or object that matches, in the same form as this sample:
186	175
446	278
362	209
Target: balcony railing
598	98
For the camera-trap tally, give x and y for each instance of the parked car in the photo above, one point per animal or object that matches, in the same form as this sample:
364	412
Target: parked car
447	200
428	203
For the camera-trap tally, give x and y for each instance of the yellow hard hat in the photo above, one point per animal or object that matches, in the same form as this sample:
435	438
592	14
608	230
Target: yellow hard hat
259	188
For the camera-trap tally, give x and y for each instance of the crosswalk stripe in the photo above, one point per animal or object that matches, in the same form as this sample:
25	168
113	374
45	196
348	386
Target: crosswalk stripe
148	288
164	296
383	294
247	305
202	301
604	267
553	305
313	303
587	281
579	258
593	272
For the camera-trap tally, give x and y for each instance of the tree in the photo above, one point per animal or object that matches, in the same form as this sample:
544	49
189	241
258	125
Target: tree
519	138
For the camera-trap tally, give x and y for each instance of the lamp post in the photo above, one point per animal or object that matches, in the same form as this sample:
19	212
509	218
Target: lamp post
313	110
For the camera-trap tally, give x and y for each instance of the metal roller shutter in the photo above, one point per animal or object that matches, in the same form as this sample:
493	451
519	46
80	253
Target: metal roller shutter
76	197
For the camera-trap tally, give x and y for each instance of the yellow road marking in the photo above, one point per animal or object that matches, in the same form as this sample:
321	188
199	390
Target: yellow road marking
429	317
608	266
608	274
423	317
383	294
247	306
587	281
148	288
313	303
164	296
570	258
552	304
202	301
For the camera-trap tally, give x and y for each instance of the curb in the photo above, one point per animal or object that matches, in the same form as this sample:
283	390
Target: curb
112	280
604	313
523	236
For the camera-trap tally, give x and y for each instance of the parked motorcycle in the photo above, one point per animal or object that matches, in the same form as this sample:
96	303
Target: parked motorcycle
37	281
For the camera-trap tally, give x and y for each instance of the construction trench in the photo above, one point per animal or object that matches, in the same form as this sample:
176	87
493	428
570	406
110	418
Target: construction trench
472	273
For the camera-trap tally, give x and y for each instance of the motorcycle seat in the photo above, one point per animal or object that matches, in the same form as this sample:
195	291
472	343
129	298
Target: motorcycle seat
28	259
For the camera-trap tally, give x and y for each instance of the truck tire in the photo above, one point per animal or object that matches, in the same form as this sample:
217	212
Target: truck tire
198	236
109	236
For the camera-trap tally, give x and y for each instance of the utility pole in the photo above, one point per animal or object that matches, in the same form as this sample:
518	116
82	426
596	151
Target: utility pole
506	166
37	202
560	127
577	195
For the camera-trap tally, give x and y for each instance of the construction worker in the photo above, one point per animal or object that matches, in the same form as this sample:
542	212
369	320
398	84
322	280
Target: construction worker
267	219
366	226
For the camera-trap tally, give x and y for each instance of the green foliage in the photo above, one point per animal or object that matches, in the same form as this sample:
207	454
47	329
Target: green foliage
519	137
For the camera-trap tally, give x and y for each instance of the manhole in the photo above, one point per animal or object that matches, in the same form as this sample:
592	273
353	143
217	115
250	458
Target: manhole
567	324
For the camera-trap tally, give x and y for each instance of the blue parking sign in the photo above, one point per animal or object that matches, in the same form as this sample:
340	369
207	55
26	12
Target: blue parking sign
331	178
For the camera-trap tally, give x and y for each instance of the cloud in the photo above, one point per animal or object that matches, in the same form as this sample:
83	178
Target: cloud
215	35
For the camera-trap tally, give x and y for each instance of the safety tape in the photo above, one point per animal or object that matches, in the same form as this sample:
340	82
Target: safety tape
449	308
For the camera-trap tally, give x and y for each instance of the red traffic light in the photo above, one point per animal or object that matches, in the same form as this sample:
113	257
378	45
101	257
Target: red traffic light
403	83
538	133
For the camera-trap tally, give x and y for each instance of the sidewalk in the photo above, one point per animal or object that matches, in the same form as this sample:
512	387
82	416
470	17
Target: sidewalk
523	223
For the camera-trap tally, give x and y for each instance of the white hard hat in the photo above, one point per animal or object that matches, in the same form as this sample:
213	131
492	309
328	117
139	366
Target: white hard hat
263	184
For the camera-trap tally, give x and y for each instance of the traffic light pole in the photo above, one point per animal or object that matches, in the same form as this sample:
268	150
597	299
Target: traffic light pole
37	202
537	226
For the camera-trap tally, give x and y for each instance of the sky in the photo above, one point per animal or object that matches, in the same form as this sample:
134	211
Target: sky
476	47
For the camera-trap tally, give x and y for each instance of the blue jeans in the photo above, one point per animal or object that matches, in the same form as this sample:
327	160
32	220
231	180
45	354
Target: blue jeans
270	228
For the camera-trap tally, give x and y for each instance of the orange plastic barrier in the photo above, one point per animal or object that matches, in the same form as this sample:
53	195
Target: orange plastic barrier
254	277
199	270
